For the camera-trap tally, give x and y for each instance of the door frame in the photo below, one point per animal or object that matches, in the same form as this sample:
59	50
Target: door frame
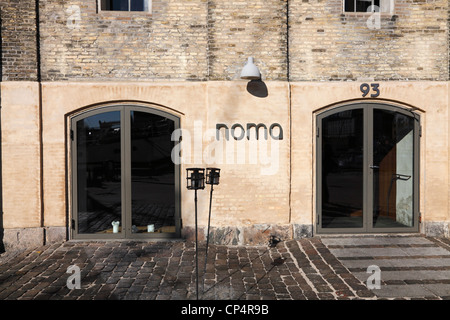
125	143
367	226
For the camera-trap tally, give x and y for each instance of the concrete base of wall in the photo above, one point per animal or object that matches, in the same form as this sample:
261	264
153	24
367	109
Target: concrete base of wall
27	238
437	229
302	231
23	238
258	234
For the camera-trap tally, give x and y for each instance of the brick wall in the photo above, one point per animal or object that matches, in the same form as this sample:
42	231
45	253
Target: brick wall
80	43
411	44
18	31
239	29
211	40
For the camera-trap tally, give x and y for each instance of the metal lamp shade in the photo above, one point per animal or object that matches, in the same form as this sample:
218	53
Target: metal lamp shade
195	178
250	71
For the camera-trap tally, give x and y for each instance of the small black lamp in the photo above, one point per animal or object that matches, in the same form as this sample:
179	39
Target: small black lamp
195	180
212	176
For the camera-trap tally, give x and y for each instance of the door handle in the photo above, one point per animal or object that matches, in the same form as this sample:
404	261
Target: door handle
374	167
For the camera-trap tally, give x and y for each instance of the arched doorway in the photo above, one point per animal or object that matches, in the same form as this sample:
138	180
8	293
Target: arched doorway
367	169
123	174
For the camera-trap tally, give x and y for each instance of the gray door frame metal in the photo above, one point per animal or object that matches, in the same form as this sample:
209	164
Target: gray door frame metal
368	108
126	212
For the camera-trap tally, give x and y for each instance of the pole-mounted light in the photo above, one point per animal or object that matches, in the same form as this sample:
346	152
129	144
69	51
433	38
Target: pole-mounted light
212	178
195	180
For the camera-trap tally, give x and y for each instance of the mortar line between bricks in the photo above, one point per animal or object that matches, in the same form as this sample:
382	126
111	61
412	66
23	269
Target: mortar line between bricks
308	281
334	291
324	278
349	272
273	266
257	280
164	276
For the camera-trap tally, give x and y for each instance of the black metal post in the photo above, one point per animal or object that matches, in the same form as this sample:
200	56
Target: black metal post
207	236
196	244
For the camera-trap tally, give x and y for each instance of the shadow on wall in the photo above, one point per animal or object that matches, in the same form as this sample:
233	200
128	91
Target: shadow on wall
257	88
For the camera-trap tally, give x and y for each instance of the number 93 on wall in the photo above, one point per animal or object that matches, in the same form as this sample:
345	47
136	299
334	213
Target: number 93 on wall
373	89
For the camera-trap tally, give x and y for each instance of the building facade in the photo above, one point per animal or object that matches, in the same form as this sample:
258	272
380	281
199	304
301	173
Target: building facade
106	104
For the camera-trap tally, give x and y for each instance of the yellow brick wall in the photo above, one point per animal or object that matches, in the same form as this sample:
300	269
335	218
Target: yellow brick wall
409	44
79	42
211	40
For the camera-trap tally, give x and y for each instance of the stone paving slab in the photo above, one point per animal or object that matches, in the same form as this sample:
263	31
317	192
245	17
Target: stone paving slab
438	290
374	240
305	269
392	263
410	267
389	251
408	275
410	291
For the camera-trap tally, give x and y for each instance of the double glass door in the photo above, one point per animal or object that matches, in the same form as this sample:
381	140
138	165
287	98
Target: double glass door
125	184
367	161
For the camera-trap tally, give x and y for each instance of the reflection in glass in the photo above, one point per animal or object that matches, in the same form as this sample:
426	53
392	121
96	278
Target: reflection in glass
363	5
117	5
137	5
98	172
152	173
393	148
125	5
342	170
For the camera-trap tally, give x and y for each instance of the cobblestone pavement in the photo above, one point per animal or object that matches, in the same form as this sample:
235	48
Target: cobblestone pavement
333	267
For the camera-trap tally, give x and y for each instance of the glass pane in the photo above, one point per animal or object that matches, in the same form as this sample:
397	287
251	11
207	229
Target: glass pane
349	6
119	5
137	5
152	173
363	5
393	153
342	170
98	172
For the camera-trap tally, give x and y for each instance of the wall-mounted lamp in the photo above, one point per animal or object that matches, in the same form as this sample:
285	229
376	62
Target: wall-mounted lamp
255	86
250	71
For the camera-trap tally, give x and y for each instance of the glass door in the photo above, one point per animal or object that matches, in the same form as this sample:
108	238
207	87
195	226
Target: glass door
393	170
367	164
125	184
98	178
342	170
152	174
